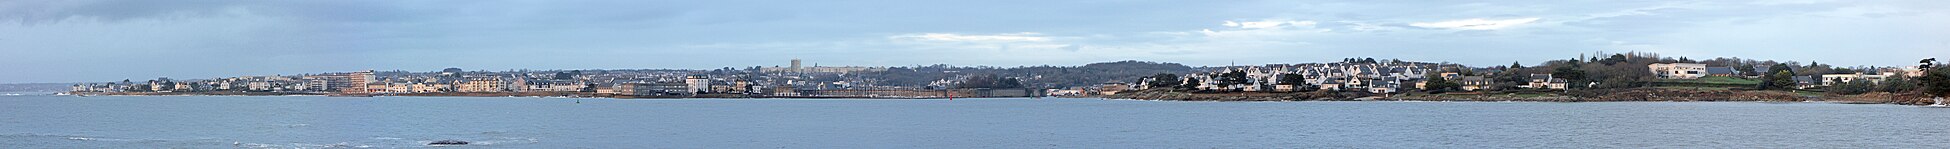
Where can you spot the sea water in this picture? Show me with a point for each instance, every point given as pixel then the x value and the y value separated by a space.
pixel 46 121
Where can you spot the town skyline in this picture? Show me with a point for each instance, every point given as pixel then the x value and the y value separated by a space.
pixel 1347 78
pixel 784 63
pixel 974 74
pixel 68 41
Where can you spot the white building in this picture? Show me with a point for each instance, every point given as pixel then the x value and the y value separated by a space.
pixel 1678 70
pixel 1831 79
pixel 697 84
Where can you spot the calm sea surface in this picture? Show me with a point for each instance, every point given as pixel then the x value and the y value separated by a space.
pixel 40 121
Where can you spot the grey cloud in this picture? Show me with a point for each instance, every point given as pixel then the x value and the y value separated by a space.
pixel 35 12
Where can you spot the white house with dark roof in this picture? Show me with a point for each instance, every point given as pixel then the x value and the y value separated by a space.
pixel 1545 81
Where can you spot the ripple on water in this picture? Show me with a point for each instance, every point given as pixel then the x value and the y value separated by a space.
pixel 301 145
pixel 482 142
pixel 99 141
pixel 33 136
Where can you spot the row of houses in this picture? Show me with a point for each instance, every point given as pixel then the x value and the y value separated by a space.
pixel 648 82
pixel 327 82
pixel 1696 71
pixel 1389 77
pixel 1379 77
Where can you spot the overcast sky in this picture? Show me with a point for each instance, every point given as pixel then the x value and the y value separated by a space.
pixel 108 40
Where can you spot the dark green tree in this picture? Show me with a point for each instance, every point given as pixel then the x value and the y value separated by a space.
pixel 1897 84
pixel 1010 82
pixel 1781 79
pixel 1936 81
pixel 1850 87
pixel 1510 79
pixel 1814 68
pixel 1614 59
pixel 1231 78
pixel 1164 80
pixel 1437 84
pixel 989 81
pixel 1571 73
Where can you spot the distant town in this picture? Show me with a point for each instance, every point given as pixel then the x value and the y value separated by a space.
pixel 792 81
pixel 1601 76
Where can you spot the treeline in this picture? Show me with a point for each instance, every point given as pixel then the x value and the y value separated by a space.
pixel 1861 86
pixel 1935 81
pixel 1613 71
pixel 1630 71
pixel 990 81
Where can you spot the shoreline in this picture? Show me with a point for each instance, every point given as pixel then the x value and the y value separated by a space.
pixel 1605 95
pixel 1492 100
pixel 1145 96
pixel 997 97
pixel 502 94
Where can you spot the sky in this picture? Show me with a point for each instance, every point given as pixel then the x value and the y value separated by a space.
pixel 111 40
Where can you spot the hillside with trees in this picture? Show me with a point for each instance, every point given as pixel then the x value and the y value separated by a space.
pixel 1605 77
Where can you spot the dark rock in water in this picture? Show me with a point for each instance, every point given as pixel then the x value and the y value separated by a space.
pixel 448 142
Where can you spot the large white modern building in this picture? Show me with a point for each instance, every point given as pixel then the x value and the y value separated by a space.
pixel 1678 70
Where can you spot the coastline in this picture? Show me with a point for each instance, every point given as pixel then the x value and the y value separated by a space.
pixel 1614 95
pixel 510 94
pixel 1609 95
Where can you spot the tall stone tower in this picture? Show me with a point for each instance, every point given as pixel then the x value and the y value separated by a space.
pixel 795 66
